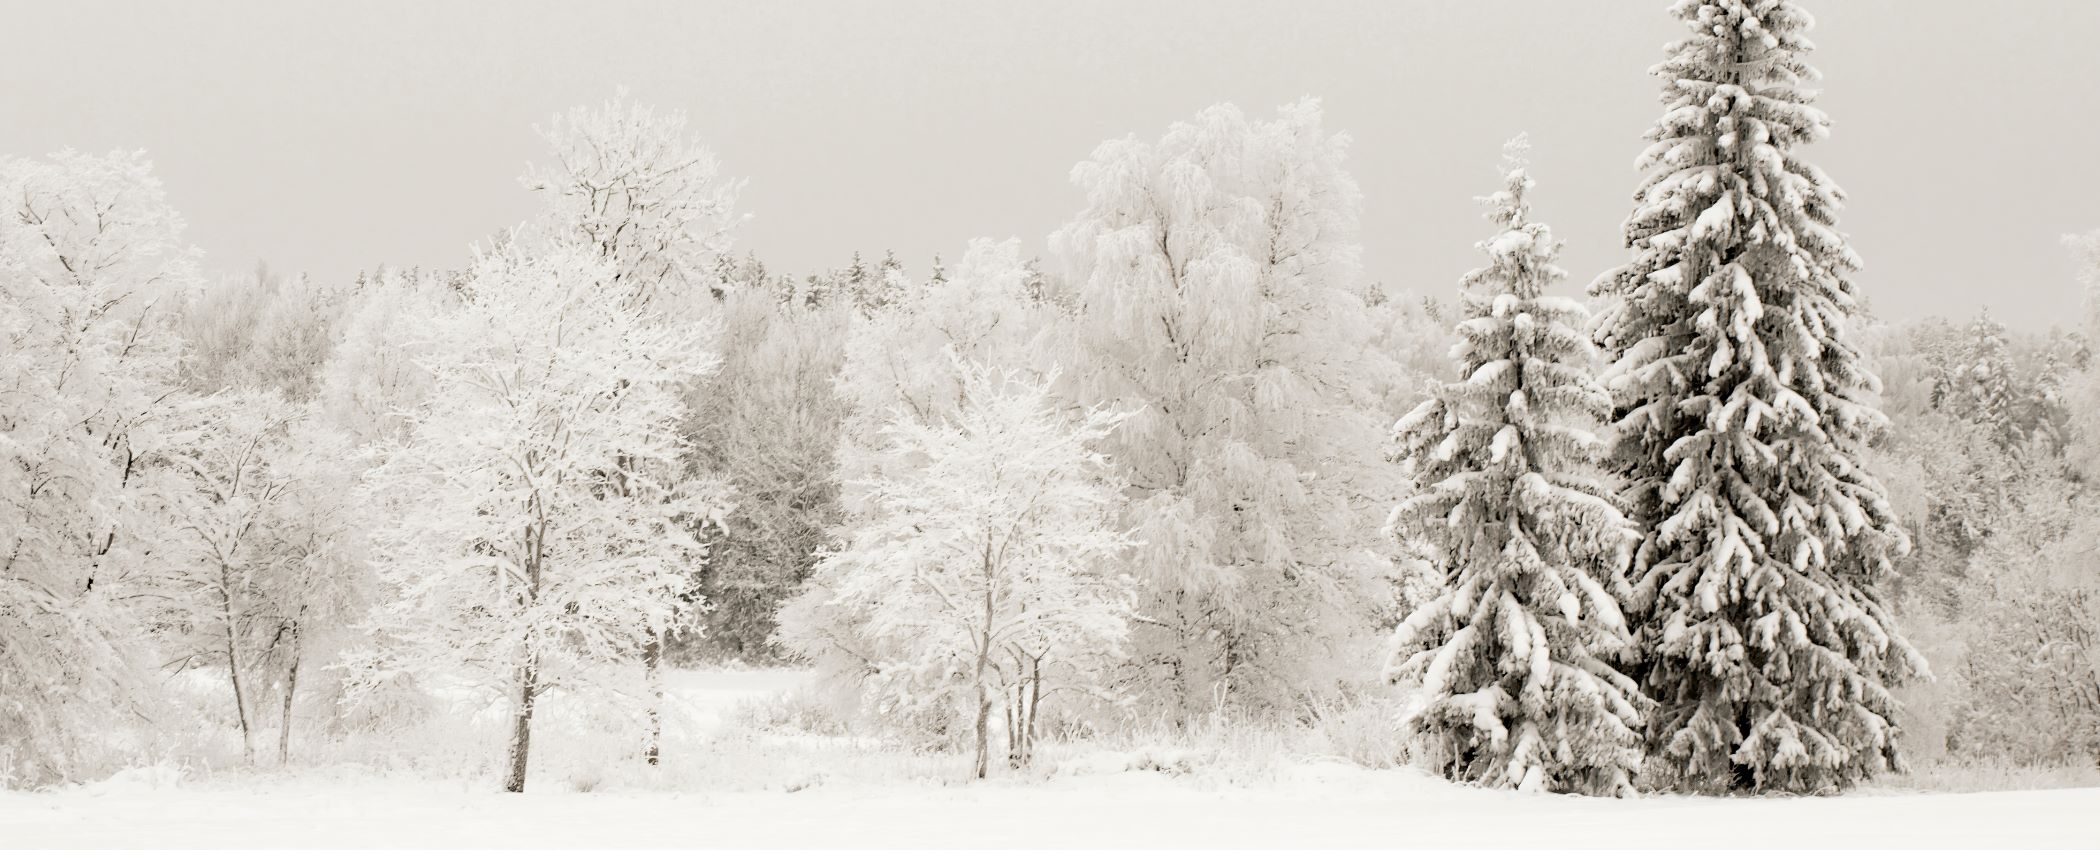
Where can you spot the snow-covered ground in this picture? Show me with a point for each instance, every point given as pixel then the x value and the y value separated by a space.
pixel 1094 805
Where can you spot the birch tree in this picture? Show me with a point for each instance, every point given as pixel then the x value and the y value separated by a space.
pixel 1216 276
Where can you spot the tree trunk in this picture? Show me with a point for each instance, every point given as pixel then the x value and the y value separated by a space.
pixel 984 724
pixel 1013 726
pixel 233 661
pixel 1035 703
pixel 291 688
pixel 652 665
pixel 984 652
pixel 521 730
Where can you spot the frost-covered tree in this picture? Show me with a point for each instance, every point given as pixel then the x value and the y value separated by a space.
pixel 1742 412
pixel 1514 657
pixel 630 185
pixel 373 377
pixel 225 522
pixel 259 331
pixel 1215 274
pixel 768 425
pixel 539 511
pixel 2085 252
pixel 1982 386
pixel 905 356
pixel 91 264
pixel 268 537
pixel 320 586
pixel 985 555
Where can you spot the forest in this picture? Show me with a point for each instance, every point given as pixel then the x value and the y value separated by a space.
pixel 1189 492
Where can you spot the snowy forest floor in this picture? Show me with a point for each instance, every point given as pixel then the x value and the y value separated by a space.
pixel 742 788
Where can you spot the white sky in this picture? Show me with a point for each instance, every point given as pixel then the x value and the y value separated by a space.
pixel 334 136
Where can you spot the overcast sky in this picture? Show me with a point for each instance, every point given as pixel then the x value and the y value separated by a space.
pixel 335 136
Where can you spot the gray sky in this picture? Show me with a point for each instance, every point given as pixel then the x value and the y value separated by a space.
pixel 335 136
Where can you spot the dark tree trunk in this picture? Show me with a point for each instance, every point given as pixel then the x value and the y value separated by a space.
pixel 521 729
pixel 233 661
pixel 291 689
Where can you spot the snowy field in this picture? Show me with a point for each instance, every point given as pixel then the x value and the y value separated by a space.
pixel 1092 801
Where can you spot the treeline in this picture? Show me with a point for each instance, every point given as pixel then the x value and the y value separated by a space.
pixel 1148 480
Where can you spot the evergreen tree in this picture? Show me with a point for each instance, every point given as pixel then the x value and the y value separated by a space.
pixel 1984 391
pixel 1742 414
pixel 1511 656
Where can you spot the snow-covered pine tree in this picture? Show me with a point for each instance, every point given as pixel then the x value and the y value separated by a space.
pixel 1742 411
pixel 1513 656
pixel 1983 384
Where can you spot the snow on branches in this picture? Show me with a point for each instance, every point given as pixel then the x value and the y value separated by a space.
pixel 1742 412
pixel 985 564
pixel 1216 276
pixel 541 521
pixel 1513 659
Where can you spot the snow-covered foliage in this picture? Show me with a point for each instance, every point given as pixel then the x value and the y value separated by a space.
pixel 906 356
pixel 906 353
pixel 1215 273
pixel 1514 657
pixel 91 265
pixel 767 423
pixel 981 567
pixel 1743 409
pixel 260 331
pixel 633 188
pixel 1127 509
pixel 268 535
pixel 540 522
pixel 374 377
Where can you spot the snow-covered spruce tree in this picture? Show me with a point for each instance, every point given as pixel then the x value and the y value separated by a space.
pixel 1513 656
pixel 1742 411
pixel 1981 388
pixel 1215 276
pixel 91 263
pixel 985 554
pixel 516 557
